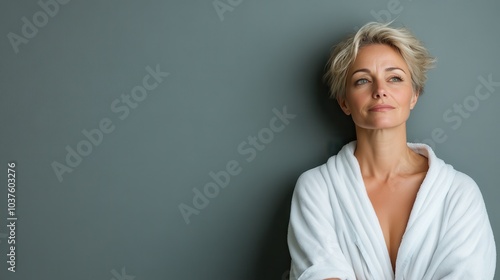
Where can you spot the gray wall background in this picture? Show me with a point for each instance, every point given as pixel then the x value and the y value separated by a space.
pixel 116 215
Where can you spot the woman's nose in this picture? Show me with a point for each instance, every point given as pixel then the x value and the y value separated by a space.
pixel 379 90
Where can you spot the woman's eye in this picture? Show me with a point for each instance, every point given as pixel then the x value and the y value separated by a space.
pixel 361 82
pixel 396 79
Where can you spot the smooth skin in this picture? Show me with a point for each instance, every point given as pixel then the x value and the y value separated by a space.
pixel 379 97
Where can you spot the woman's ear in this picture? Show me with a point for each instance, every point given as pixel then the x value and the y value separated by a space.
pixel 343 105
pixel 414 99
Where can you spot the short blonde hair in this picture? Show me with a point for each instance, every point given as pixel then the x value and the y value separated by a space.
pixel 344 54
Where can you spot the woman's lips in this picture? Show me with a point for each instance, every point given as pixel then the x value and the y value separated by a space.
pixel 381 108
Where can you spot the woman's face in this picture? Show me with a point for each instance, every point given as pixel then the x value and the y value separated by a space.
pixel 379 92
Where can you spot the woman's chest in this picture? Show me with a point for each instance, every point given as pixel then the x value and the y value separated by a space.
pixel 393 202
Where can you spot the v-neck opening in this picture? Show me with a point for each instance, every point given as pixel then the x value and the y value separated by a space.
pixel 421 151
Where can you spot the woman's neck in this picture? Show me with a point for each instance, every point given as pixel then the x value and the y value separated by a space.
pixel 383 154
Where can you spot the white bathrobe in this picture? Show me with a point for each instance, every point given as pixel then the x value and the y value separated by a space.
pixel 334 231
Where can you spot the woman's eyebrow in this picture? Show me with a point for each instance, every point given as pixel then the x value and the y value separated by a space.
pixel 360 70
pixel 388 69
pixel 394 68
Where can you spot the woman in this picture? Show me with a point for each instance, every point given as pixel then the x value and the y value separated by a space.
pixel 383 208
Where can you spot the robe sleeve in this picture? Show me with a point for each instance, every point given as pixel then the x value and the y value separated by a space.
pixel 312 240
pixel 467 246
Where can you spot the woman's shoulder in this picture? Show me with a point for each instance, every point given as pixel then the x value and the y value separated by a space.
pixel 464 187
pixel 462 193
pixel 320 176
pixel 313 181
pixel 313 176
